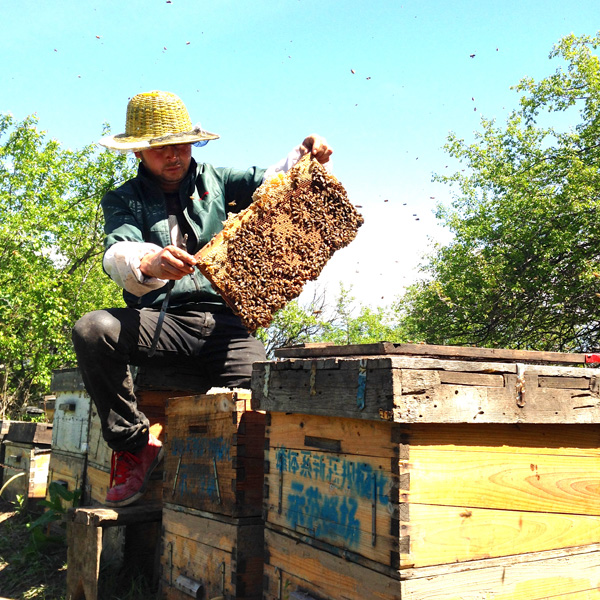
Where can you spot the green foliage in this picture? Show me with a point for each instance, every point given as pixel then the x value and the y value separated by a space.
pixel 522 269
pixel 345 323
pixel 51 235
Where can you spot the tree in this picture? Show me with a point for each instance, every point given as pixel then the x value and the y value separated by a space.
pixel 50 250
pixel 522 268
pixel 345 323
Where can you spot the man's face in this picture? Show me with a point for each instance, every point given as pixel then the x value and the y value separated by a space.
pixel 169 164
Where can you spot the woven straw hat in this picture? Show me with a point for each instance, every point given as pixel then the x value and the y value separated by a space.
pixel 156 119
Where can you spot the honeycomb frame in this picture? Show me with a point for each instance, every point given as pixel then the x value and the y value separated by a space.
pixel 266 253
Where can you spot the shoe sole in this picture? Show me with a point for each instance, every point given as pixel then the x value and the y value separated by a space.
pixel 135 497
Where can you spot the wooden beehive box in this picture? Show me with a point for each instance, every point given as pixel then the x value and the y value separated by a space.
pixel 436 472
pixel 31 464
pixel 205 555
pixel 71 412
pixel 68 469
pixel 214 454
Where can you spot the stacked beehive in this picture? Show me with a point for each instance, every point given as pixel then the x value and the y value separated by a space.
pixel 71 425
pixel 212 526
pixel 448 474
pixel 24 459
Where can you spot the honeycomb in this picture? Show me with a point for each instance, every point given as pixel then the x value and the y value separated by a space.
pixel 266 253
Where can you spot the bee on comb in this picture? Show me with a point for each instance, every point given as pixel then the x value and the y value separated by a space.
pixel 265 254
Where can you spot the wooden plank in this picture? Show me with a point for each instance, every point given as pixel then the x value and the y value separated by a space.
pixel 449 534
pixel 486 438
pixel 291 566
pixel 472 353
pixel 348 389
pixel 224 555
pixel 214 454
pixel 504 480
pixel 83 560
pixel 66 380
pixel 482 379
pixel 570 575
pixel 343 500
pixel 341 435
pixel 427 401
pixel 109 517
pixel 413 390
pixel 26 432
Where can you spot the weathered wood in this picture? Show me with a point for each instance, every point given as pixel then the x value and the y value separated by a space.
pixel 413 390
pixel 26 432
pixel 223 554
pixel 574 575
pixel 291 566
pixel 472 353
pixel 109 517
pixel 214 454
pixel 84 538
pixel 68 470
pixel 83 561
pixel 31 464
pixel 66 380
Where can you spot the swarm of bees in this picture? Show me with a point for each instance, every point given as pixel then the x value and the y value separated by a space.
pixel 266 253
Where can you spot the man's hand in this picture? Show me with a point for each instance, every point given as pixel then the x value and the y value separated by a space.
pixel 318 147
pixel 169 263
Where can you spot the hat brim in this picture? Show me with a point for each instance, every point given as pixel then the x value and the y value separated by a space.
pixel 128 143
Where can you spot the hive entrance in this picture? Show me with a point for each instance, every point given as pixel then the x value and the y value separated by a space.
pixel 266 253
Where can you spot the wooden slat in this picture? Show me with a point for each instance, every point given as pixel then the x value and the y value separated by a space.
pixel 566 575
pixel 225 555
pixel 295 566
pixel 108 517
pixel 83 559
pixel 343 500
pixel 517 438
pixel 504 480
pixel 308 351
pixel 351 436
pixel 448 534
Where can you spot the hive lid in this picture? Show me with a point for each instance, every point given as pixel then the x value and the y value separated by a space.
pixel 427 350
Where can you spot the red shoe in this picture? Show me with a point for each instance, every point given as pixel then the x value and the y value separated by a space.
pixel 130 473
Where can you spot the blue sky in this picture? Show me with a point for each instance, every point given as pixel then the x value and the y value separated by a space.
pixel 383 81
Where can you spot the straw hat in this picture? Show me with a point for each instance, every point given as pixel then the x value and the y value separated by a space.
pixel 156 119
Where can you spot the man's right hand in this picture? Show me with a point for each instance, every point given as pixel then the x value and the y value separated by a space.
pixel 169 263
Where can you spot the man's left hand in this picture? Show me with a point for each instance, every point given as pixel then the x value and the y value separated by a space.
pixel 318 147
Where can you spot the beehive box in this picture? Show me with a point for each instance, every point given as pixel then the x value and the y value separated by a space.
pixel 31 464
pixel 205 555
pixel 71 412
pixel 436 472
pixel 214 454
pixel 67 469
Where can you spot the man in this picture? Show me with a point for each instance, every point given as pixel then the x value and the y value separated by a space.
pixel 154 225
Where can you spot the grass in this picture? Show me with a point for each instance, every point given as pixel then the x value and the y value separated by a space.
pixel 30 573
pixel 26 573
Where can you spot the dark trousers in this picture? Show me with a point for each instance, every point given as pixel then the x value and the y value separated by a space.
pixel 215 344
